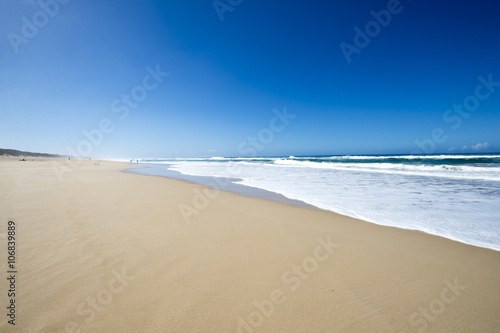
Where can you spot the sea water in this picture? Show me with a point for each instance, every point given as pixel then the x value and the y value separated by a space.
pixel 454 196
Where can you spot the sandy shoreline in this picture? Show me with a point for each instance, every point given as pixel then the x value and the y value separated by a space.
pixel 226 184
pixel 100 250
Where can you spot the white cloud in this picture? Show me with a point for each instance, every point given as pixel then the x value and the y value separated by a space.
pixel 476 147
pixel 452 149
pixel 480 146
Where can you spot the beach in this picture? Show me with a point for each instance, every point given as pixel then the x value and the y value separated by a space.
pixel 102 250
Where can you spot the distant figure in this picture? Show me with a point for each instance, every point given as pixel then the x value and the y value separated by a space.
pixel 137 161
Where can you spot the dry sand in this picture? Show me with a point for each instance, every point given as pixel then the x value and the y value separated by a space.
pixel 107 251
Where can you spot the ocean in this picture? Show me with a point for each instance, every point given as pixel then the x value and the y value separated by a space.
pixel 453 196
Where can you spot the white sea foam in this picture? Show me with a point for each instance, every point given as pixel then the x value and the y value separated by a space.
pixel 457 201
pixel 447 171
pixel 409 157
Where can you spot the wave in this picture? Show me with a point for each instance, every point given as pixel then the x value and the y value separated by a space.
pixel 429 167
pixel 473 166
pixel 412 157
pixel 495 158
pixel 454 196
pixel 409 159
pixel 448 171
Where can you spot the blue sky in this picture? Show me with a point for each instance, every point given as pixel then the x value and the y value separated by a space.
pixel 225 77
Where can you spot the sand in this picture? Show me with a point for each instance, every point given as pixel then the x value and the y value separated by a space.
pixel 100 250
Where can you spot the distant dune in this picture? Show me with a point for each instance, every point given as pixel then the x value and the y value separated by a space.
pixel 13 152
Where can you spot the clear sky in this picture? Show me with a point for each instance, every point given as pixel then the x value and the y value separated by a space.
pixel 361 77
